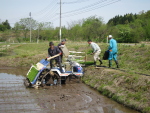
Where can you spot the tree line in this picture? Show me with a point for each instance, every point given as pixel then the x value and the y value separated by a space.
pixel 128 28
pixel 5 26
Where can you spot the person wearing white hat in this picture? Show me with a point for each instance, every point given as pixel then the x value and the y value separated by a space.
pixel 112 51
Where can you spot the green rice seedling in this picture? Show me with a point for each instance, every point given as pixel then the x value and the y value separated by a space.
pixel 32 73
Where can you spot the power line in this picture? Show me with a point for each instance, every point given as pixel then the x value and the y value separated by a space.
pixel 92 8
pixel 85 11
pixel 78 1
pixel 88 6
pixel 80 9
pixel 51 13
pixel 38 13
pixel 46 8
pixel 88 10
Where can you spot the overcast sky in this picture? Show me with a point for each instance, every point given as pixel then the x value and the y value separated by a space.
pixel 72 10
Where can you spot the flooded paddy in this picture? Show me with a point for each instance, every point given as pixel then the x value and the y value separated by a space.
pixel 66 98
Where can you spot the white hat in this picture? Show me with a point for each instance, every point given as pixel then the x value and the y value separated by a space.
pixel 110 36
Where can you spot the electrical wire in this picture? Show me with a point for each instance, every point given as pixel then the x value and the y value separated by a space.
pixel 46 8
pixel 50 12
pixel 87 10
pixel 86 7
pixel 78 1
pixel 40 13
pixel 80 9
pixel 91 9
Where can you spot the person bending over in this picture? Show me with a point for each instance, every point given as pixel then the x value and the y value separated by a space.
pixel 96 51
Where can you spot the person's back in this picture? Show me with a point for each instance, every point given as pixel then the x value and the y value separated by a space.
pixel 112 50
pixel 95 46
pixel 113 45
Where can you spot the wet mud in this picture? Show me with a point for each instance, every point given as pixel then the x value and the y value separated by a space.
pixel 66 98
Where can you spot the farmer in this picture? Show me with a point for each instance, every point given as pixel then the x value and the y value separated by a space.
pixel 96 51
pixel 112 51
pixel 53 50
pixel 61 45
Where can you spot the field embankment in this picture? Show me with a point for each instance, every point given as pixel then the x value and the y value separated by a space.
pixel 129 89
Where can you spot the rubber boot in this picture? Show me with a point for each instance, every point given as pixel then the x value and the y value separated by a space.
pixel 117 63
pixel 110 63
pixel 100 62
pixel 94 63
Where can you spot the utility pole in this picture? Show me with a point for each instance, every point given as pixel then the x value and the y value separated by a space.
pixel 107 39
pixel 30 26
pixel 60 22
pixel 38 35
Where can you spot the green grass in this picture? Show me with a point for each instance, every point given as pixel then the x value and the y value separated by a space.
pixel 129 89
pixel 133 58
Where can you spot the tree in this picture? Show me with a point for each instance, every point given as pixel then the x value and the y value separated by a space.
pixel 91 27
pixel 24 25
pixel 2 27
pixel 124 33
pixel 6 24
pixel 45 30
pixel 76 32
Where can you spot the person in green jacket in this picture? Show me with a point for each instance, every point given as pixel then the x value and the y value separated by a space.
pixel 113 50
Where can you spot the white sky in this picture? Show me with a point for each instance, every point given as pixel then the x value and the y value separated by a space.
pixel 72 10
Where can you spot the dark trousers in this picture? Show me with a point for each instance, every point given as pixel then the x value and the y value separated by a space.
pixel 57 61
pixel 61 57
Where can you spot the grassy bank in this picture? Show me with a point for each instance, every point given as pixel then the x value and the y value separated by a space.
pixel 128 88
pixel 23 55
pixel 132 58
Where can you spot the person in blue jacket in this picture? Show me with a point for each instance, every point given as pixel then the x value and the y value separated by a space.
pixel 112 51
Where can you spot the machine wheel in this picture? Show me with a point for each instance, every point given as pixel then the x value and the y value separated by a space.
pixel 56 77
pixel 42 74
pixel 43 82
pixel 27 83
pixel 45 79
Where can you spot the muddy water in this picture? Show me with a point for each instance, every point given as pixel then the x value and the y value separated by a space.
pixel 69 98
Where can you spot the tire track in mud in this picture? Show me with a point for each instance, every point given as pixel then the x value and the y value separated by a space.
pixel 68 98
